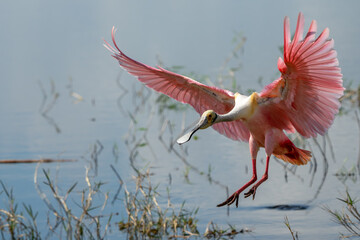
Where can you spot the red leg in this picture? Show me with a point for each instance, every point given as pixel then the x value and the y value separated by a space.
pixel 254 148
pixel 235 195
pixel 271 140
pixel 252 191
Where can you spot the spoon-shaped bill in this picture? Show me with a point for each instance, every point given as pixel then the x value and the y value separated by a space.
pixel 186 137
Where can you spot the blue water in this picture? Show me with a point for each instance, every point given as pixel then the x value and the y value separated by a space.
pixel 44 43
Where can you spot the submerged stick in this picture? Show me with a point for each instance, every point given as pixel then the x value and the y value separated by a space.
pixel 44 160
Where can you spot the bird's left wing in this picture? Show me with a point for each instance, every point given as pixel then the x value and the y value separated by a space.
pixel 185 90
pixel 306 95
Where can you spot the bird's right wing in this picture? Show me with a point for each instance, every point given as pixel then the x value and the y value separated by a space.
pixel 185 90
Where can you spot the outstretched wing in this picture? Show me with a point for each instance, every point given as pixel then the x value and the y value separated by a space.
pixel 185 90
pixel 307 93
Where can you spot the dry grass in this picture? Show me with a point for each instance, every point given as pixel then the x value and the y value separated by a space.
pixel 349 217
pixel 145 217
pixel 293 233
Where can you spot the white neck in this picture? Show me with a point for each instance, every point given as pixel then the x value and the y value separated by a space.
pixel 244 108
pixel 227 117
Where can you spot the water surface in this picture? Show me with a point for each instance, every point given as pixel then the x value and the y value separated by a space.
pixel 52 50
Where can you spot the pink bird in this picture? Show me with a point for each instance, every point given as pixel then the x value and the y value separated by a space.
pixel 304 99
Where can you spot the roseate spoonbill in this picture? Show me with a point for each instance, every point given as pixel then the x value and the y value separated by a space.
pixel 303 99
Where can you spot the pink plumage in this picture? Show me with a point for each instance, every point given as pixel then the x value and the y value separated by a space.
pixel 303 99
pixel 185 90
pixel 313 81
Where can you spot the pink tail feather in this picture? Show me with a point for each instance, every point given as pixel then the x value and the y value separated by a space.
pixel 297 156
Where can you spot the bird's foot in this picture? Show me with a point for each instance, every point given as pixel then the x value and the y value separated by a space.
pixel 252 192
pixel 231 200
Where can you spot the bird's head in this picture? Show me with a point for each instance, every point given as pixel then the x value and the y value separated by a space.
pixel 207 119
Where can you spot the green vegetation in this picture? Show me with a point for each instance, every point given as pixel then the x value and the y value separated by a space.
pixel 146 218
pixel 349 217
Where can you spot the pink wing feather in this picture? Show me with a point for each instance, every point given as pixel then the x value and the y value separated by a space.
pixel 310 83
pixel 185 90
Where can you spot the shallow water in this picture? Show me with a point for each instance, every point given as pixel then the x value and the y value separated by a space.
pixel 61 44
